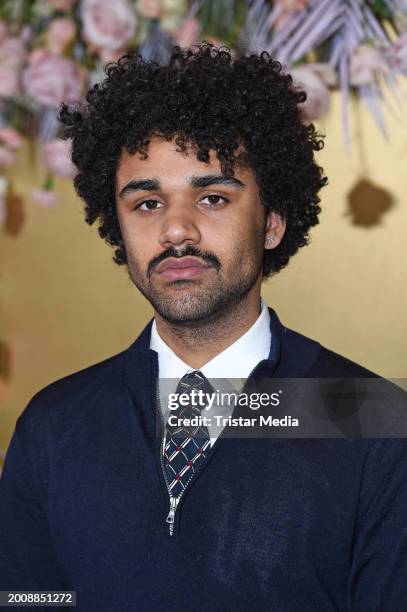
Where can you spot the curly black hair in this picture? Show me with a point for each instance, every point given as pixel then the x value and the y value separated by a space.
pixel 208 97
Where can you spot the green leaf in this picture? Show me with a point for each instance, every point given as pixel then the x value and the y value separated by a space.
pixel 48 183
pixel 380 8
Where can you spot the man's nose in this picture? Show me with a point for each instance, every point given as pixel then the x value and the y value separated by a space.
pixel 179 226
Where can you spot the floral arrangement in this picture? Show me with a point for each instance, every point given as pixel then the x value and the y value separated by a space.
pixel 53 50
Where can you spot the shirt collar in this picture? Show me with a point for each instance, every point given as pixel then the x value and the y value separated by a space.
pixel 236 361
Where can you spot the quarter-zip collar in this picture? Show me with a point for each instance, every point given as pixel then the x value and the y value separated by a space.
pixel 141 376
pixel 289 357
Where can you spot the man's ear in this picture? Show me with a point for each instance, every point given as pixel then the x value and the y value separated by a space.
pixel 275 228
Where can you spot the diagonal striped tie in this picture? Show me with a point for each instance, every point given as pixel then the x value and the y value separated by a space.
pixel 185 447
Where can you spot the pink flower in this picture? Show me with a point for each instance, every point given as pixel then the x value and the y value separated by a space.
pixel 12 53
pixel 107 24
pixel 56 156
pixel 37 55
pixel 315 79
pixel 7 157
pixel 45 198
pixel 365 63
pixel 53 79
pixel 10 137
pixel 188 32
pixel 61 5
pixel 61 32
pixel 396 55
pixel 9 83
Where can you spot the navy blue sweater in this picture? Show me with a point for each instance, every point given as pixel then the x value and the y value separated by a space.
pixel 266 524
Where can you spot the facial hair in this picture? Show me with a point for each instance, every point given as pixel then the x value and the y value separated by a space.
pixel 187 302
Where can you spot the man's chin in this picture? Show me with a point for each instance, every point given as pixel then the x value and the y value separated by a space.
pixel 185 311
pixel 192 301
pixel 177 300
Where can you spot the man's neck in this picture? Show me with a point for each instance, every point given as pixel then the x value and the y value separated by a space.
pixel 199 342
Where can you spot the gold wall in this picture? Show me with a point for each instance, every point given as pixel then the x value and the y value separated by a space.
pixel 65 305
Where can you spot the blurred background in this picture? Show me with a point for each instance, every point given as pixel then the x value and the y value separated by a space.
pixel 65 305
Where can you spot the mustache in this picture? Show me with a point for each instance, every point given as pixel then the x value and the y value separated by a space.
pixel 188 251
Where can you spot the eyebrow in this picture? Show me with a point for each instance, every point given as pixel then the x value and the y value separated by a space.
pixel 195 181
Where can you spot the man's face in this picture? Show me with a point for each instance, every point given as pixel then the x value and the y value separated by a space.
pixel 194 238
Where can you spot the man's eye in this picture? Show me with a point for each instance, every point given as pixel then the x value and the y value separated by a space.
pixel 148 205
pixel 214 200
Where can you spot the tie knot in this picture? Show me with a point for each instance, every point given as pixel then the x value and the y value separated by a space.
pixel 193 387
pixel 194 380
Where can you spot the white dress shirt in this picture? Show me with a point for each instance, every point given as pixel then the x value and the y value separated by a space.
pixel 223 371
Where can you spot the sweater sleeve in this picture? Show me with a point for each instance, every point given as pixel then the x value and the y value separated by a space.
pixel 27 559
pixel 379 569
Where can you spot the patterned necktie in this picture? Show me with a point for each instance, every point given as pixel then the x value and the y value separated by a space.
pixel 185 446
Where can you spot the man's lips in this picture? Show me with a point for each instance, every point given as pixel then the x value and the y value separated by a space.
pixel 186 267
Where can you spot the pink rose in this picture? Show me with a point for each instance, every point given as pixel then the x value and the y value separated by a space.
pixel 56 156
pixel 61 5
pixel 7 157
pixel 315 79
pixel 366 62
pixel 53 79
pixel 396 54
pixel 61 32
pixel 107 24
pixel 37 55
pixel 9 82
pixel 10 137
pixel 45 198
pixel 12 53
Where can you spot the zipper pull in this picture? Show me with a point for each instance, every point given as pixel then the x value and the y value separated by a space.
pixel 171 515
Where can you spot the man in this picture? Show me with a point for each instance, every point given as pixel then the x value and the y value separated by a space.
pixel 202 176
